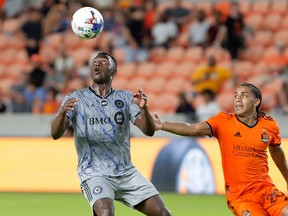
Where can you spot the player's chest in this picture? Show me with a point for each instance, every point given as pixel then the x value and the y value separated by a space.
pixel 103 112
pixel 242 136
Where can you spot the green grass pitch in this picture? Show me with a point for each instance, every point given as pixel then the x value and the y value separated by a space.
pixel 65 204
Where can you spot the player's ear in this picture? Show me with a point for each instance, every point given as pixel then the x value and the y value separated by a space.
pixel 257 102
pixel 114 72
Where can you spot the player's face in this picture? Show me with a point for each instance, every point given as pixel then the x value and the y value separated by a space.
pixel 245 102
pixel 100 71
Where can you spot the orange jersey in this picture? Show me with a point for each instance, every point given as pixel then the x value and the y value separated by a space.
pixel 244 150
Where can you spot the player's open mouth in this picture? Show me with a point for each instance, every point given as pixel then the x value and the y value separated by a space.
pixel 96 70
pixel 238 106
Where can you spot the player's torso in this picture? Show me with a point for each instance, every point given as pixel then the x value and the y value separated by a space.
pixel 101 119
pixel 244 150
pixel 239 139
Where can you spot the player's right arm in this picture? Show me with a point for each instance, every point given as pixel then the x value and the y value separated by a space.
pixel 182 128
pixel 61 123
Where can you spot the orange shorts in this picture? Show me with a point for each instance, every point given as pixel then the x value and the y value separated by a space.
pixel 263 201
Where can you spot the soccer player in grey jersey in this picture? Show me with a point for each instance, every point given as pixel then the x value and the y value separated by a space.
pixel 100 117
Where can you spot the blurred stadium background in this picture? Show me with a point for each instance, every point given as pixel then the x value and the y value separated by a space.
pixel 41 60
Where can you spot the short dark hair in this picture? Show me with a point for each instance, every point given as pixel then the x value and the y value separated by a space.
pixel 109 56
pixel 257 93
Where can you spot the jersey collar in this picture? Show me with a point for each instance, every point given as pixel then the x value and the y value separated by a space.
pixel 110 92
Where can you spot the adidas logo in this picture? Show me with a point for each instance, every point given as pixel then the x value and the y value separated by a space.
pixel 237 134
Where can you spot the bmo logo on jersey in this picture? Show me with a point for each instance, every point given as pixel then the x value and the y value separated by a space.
pixel 93 121
pixel 119 118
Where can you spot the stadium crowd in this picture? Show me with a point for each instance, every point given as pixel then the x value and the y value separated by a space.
pixel 173 49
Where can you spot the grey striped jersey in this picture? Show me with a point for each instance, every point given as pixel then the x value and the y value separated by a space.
pixel 102 132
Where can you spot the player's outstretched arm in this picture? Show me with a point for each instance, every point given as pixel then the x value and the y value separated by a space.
pixel 182 128
pixel 279 159
pixel 145 120
pixel 60 123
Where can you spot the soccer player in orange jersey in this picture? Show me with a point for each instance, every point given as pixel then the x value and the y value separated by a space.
pixel 244 137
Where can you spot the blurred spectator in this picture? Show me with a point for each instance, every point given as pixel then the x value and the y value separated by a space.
pixel 223 8
pixel 37 106
pixel 84 70
pixel 178 13
pixel 19 103
pixel 32 29
pixel 56 20
pixel 52 104
pixel 63 64
pixel 185 107
pixel 216 35
pixel 109 18
pixel 118 31
pixel 235 31
pixel 32 94
pixel 209 107
pixel 137 50
pixel 164 32
pixel 198 30
pixel 210 76
pixel 13 8
pixel 37 74
pixel 150 17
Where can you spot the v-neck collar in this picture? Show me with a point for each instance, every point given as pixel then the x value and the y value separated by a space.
pixel 250 126
pixel 110 92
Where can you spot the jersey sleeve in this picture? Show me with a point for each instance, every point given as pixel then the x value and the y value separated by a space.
pixel 214 123
pixel 276 138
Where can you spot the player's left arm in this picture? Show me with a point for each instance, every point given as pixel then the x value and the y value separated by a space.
pixel 145 120
pixel 279 159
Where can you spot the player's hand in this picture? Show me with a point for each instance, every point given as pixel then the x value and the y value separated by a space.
pixel 157 121
pixel 69 105
pixel 140 98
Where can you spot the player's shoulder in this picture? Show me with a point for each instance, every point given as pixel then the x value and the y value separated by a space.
pixel 268 118
pixel 227 114
pixel 77 92
pixel 123 92
pixel 269 122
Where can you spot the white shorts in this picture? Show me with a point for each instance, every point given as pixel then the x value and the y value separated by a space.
pixel 130 190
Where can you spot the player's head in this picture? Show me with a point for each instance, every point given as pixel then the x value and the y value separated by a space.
pixel 103 68
pixel 248 99
pixel 112 61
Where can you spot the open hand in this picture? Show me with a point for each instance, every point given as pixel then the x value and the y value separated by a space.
pixel 140 98
pixel 69 105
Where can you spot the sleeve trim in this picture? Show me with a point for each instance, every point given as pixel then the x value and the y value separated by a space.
pixel 211 131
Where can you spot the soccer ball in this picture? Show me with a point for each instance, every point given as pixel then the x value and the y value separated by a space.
pixel 87 22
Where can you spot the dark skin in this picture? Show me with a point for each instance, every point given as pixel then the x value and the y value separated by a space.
pixel 102 74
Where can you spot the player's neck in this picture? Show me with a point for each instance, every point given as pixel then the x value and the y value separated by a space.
pixel 248 120
pixel 102 90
